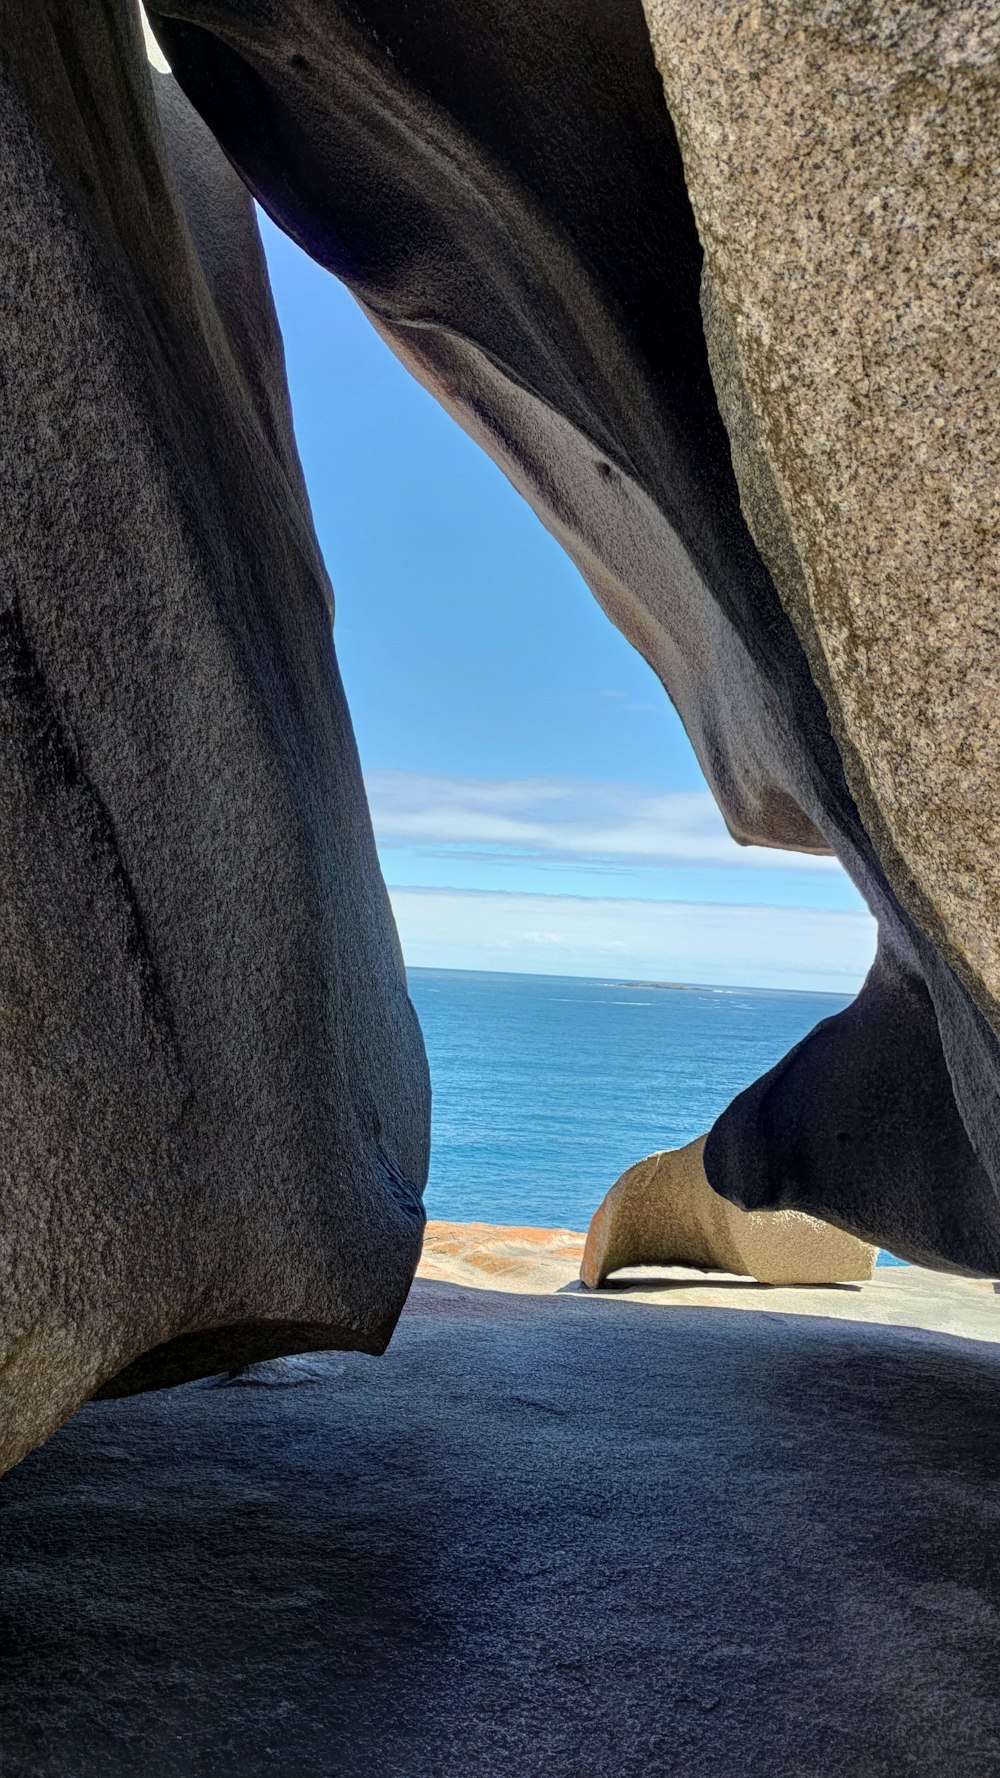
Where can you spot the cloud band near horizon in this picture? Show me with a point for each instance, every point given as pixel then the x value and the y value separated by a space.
pixel 580 822
pixel 804 949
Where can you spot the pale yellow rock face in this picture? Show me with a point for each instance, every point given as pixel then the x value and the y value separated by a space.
pixel 663 1211
pixel 843 161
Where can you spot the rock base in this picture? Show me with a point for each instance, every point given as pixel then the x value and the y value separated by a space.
pixel 557 1535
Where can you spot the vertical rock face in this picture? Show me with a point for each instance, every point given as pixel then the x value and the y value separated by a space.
pixel 213 1123
pixel 843 163
pixel 503 189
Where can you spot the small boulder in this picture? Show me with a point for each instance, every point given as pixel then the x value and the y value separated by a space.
pixel 663 1212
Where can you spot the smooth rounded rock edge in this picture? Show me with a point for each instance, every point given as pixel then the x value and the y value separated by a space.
pixel 662 1211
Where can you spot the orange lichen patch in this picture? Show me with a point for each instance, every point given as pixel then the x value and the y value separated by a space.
pixel 495 1249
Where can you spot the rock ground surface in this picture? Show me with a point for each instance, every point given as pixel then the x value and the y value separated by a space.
pixel 550 1532
pixel 543 1261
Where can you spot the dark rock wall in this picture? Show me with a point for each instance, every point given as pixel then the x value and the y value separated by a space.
pixel 215 1103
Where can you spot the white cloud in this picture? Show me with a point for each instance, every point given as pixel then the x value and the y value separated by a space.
pixel 745 946
pixel 578 822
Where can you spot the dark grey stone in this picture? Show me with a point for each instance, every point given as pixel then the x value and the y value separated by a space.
pixel 214 1119
pixel 543 1536
pixel 858 1124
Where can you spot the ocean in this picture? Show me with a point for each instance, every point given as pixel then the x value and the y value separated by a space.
pixel 547 1087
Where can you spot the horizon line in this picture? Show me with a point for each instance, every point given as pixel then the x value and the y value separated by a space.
pixel 862 913
pixel 630 981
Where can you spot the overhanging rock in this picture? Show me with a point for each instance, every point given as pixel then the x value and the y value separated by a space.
pixel 512 206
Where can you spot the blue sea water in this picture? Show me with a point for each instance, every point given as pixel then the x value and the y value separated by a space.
pixel 547 1087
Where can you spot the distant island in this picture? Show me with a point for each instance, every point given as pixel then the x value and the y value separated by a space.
pixel 665 987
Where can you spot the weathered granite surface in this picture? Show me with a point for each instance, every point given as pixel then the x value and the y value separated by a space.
pixel 553 1535
pixel 539 1261
pixel 215 1104
pixel 843 163
pixel 662 1211
pixel 858 1123
pixel 506 196
pixel 213 1123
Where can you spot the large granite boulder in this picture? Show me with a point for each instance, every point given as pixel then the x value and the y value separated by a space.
pixel 843 163
pixel 510 203
pixel 213 1126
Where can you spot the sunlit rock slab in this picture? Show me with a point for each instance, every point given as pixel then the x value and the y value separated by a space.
pixel 539 1261
pixel 497 1255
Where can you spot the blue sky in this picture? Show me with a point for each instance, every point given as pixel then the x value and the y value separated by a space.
pixel 536 801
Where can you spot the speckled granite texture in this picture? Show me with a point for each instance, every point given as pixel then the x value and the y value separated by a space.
pixel 730 326
pixel 214 1091
pixel 843 163
pixel 551 1536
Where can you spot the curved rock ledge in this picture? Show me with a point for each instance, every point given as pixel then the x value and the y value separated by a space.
pixel 663 1211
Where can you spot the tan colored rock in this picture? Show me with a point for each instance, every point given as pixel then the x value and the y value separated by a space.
pixel 843 162
pixel 492 1261
pixel 663 1211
